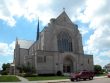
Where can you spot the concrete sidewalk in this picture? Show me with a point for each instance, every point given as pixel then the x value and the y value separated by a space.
pixel 96 77
pixel 22 79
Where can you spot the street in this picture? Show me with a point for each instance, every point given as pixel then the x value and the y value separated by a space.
pixel 100 80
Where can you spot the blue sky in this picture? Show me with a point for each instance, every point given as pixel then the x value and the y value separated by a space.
pixel 18 18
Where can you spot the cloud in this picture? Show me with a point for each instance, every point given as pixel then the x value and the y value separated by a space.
pixel 98 60
pixel 100 38
pixel 6 52
pixel 7 49
pixel 105 53
pixel 98 18
pixel 32 9
pixel 83 30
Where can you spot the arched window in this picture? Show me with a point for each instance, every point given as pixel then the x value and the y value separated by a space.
pixel 64 42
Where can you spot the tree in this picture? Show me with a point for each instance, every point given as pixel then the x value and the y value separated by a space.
pixel 5 68
pixel 97 69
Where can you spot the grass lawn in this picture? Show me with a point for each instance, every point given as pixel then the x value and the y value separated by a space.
pixel 8 78
pixel 46 78
pixel 101 74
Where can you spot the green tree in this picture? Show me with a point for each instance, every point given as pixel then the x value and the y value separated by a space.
pixel 5 69
pixel 5 66
pixel 97 69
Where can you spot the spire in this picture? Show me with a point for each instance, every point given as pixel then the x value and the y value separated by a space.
pixel 37 30
pixel 16 40
pixel 16 44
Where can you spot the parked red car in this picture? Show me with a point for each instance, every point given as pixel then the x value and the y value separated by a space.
pixel 108 74
pixel 82 75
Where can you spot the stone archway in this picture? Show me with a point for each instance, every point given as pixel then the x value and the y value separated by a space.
pixel 67 65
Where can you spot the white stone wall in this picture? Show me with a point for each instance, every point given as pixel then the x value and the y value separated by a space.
pixel 49 37
pixel 46 66
pixel 16 55
pixel 88 62
pixel 23 53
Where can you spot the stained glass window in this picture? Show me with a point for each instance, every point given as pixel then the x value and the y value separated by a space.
pixel 64 42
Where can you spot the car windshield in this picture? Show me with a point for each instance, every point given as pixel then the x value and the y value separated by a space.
pixel 80 72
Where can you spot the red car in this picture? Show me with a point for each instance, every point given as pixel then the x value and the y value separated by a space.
pixel 82 75
pixel 108 74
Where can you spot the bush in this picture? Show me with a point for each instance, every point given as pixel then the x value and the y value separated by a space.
pixel 59 73
pixel 98 69
pixel 26 69
pixel 4 73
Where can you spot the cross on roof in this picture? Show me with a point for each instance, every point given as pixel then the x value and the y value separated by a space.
pixel 63 9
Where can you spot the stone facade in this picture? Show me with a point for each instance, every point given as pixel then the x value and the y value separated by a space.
pixel 58 49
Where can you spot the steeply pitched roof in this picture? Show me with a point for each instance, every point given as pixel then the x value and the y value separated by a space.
pixel 25 43
pixel 64 18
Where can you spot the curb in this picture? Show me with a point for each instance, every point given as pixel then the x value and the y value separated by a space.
pixel 54 81
pixel 100 77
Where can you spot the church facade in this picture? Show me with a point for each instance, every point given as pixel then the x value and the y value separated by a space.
pixel 58 48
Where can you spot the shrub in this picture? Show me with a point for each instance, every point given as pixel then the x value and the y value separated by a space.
pixel 4 73
pixel 98 69
pixel 59 73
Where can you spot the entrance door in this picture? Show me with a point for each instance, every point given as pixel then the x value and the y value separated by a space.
pixel 67 66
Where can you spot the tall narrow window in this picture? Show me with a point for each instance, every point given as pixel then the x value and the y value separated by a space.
pixel 88 61
pixel 64 42
pixel 44 58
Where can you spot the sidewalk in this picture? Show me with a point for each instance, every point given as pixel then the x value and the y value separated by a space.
pixel 53 81
pixel 22 79
pixel 96 77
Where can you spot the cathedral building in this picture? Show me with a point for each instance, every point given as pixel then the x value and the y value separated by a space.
pixel 58 48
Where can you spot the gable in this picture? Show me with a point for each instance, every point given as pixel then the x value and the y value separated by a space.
pixel 25 43
pixel 63 19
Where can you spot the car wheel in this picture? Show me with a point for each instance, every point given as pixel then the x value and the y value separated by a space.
pixel 77 79
pixel 90 78
pixel 72 79
pixel 84 79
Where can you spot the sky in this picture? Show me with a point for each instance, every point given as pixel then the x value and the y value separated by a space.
pixel 18 19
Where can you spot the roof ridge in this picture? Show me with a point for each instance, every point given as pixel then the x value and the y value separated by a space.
pixel 25 40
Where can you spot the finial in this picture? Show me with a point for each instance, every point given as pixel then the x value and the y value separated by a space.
pixel 63 9
pixel 16 38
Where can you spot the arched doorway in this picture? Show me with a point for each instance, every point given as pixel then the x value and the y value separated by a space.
pixel 67 65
